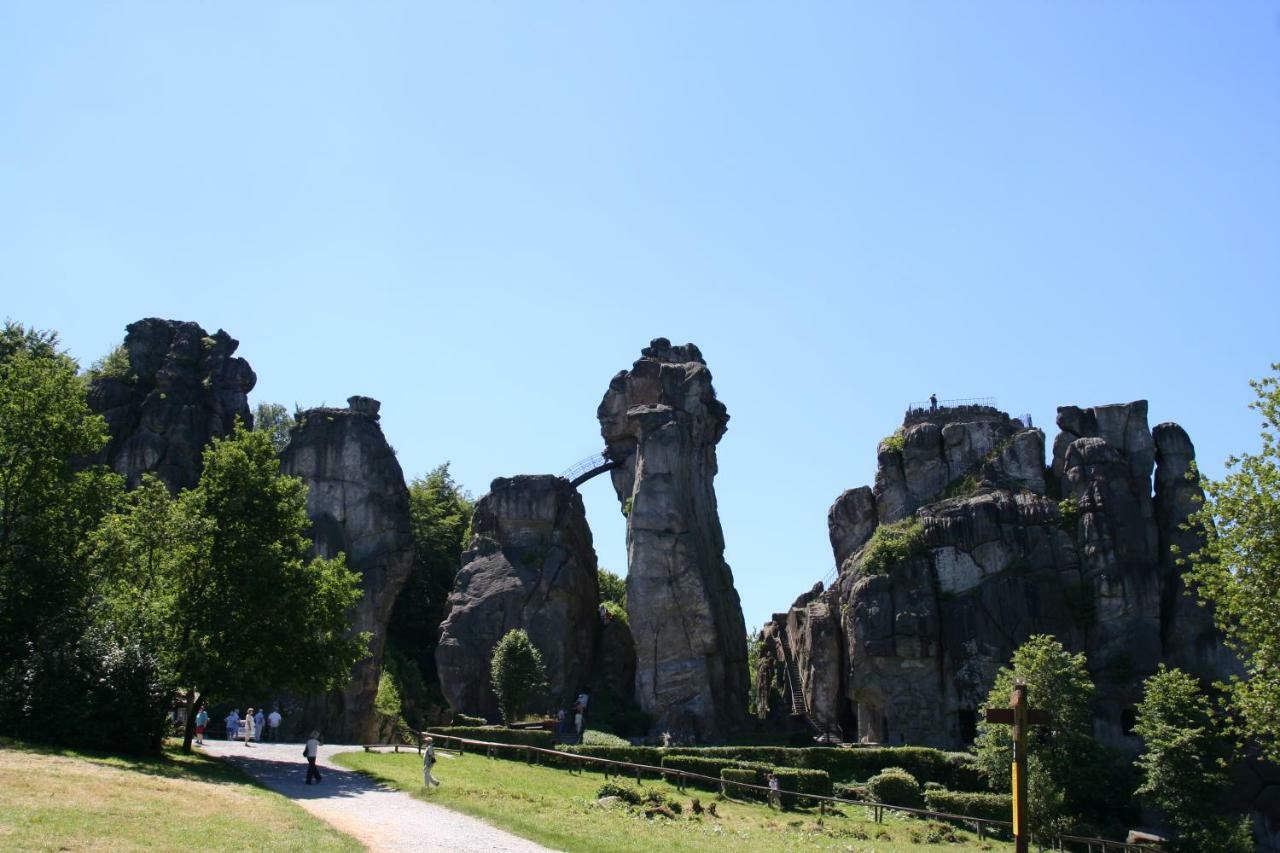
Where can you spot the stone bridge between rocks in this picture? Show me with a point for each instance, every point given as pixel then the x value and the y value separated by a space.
pixel 584 470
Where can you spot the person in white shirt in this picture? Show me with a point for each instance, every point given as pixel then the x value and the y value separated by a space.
pixel 273 724
pixel 310 751
pixel 258 721
pixel 233 723
pixel 428 761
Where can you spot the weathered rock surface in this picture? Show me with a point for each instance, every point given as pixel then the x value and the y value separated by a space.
pixel 531 564
pixel 359 506
pixel 184 387
pixel 661 422
pixel 996 561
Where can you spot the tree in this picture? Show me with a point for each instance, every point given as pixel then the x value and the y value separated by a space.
pixel 517 673
pixel 387 705
pixel 49 654
pixel 1237 571
pixel 1184 764
pixel 1063 757
pixel 252 612
pixel 439 518
pixel 613 588
pixel 275 420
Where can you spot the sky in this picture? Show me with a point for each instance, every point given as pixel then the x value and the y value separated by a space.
pixel 478 213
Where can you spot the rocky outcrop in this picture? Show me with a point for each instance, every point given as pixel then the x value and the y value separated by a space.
pixel 359 506
pixel 182 388
pixel 991 558
pixel 531 564
pixel 661 422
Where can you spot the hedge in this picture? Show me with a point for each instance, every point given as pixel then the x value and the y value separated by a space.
pixel 706 767
pixel 497 734
pixel 856 791
pixel 954 770
pixel 895 787
pixel 987 806
pixel 749 775
pixel 650 755
pixel 802 781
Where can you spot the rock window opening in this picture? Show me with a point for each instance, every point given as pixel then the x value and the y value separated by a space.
pixel 1127 720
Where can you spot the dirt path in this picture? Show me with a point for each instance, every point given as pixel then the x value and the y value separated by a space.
pixel 382 818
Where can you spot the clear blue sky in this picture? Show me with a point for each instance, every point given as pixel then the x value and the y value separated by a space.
pixel 478 213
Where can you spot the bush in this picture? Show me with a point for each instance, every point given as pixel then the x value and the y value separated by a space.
pixel 498 734
pixel 955 771
pixel 895 787
pixel 802 781
pixel 516 673
pixel 985 806
pixel 892 544
pixel 465 720
pixel 627 793
pixel 647 755
pixel 857 792
pixel 747 775
pixel 593 737
pixel 703 766
pixel 895 442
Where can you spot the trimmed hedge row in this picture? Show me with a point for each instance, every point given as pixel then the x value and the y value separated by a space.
pixel 802 781
pixel 497 734
pixel 987 806
pixel 741 774
pixel 650 755
pixel 954 770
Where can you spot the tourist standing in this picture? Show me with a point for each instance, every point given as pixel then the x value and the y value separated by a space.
pixel 246 726
pixel 258 725
pixel 775 796
pixel 202 720
pixel 429 761
pixel 311 751
pixel 273 725
pixel 233 723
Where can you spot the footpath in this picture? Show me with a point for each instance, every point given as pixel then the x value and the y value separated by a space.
pixel 381 818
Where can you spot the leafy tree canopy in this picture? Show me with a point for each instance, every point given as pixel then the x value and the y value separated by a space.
pixel 516 673
pixel 1238 571
pixel 613 588
pixel 1184 764
pixel 275 420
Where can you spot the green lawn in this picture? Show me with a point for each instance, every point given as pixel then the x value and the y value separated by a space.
pixel 558 809
pixel 68 800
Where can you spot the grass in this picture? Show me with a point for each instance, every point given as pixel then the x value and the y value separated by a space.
pixel 54 799
pixel 559 810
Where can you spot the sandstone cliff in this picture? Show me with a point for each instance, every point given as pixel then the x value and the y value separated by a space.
pixel 661 422
pixel 531 564
pixel 993 548
pixel 183 387
pixel 358 505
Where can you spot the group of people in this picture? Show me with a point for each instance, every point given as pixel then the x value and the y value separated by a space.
pixel 578 712
pixel 254 726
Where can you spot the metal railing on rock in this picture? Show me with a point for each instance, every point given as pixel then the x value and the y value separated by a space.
pixel 926 405
pixel 611 766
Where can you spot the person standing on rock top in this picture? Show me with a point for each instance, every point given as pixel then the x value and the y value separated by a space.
pixel 933 402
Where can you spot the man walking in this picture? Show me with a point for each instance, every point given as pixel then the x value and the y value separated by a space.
pixel 310 752
pixel 428 761
pixel 273 725
pixel 202 720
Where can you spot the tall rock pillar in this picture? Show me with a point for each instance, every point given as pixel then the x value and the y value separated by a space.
pixel 661 422
pixel 358 505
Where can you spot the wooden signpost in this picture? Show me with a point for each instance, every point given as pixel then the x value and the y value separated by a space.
pixel 1020 716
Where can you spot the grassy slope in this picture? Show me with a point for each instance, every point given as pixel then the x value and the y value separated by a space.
pixel 67 800
pixel 557 809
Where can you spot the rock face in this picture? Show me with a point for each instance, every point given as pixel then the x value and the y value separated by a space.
pixel 183 388
pixel 531 564
pixel 1000 551
pixel 358 505
pixel 661 422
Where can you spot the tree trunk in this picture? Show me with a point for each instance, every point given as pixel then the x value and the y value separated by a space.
pixel 193 707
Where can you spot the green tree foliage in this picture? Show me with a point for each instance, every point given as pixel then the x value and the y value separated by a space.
pixel 386 705
pixel 254 612
pixel 754 644
pixel 516 673
pixel 51 655
pixel 612 588
pixel 1063 759
pixel 440 517
pixel 1184 764
pixel 892 544
pixel 113 365
pixel 1238 571
pixel 275 420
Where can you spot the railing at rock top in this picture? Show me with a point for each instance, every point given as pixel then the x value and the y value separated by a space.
pixel 682 777
pixel 926 405
pixel 580 472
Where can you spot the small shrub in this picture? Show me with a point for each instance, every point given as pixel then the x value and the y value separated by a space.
pixel 986 806
pixel 467 720
pixel 626 507
pixel 113 365
pixel 894 442
pixel 895 787
pixel 1068 514
pixel 592 737
pixel 617 612
pixel 853 792
pixel 497 734
pixel 892 544
pixel 627 793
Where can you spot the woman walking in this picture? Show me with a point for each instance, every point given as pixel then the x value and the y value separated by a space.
pixel 428 761
pixel 246 727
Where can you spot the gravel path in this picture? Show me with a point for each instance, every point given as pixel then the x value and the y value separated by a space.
pixel 379 817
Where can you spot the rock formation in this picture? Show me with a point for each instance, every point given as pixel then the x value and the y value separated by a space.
pixel 661 422
pixel 531 564
pixel 358 505
pixel 183 387
pixel 997 549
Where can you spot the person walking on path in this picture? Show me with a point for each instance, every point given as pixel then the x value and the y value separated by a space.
pixel 429 761
pixel 233 723
pixel 258 720
pixel 775 797
pixel 202 720
pixel 246 726
pixel 273 726
pixel 310 751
